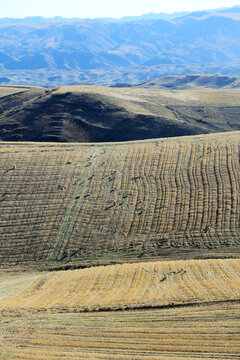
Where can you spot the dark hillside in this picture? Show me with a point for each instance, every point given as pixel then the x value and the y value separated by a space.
pixel 100 114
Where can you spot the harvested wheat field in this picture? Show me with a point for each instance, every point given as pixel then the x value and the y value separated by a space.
pixel 125 286
pixel 79 204
pixel 191 332
pixel 121 251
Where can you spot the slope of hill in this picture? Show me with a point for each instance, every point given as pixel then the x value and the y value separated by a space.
pixel 77 205
pixel 126 286
pixel 163 214
pixel 191 82
pixel 196 332
pixel 105 52
pixel 101 114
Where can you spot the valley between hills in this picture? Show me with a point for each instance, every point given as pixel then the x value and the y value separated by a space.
pixel 119 223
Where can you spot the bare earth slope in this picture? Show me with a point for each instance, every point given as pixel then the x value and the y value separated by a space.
pixel 101 114
pixel 75 205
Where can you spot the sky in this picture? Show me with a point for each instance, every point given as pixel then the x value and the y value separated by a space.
pixel 103 8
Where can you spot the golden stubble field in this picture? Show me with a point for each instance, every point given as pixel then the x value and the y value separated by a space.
pixel 123 286
pixel 195 332
pixel 155 310
pixel 162 216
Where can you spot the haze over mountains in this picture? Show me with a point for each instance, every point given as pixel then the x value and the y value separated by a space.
pixel 51 52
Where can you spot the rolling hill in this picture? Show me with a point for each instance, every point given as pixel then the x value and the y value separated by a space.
pixel 120 250
pixel 74 205
pixel 102 114
pixel 89 230
pixel 159 284
pixel 190 82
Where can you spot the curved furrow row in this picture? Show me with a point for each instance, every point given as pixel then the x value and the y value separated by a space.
pixel 77 285
pixel 151 188
pixel 137 194
pixel 145 194
pixel 165 190
pixel 219 200
pixel 172 187
pixel 213 195
pixel 200 181
pixel 170 194
pixel 192 198
pixel 234 188
pixel 130 191
pixel 236 170
pixel 159 187
pixel 182 201
pixel 227 196
pixel 48 294
pixel 146 291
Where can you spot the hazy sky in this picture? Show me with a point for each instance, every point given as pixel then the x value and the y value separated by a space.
pixel 103 8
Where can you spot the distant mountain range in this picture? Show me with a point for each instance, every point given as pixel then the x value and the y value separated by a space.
pixel 149 16
pixel 60 19
pixel 57 51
